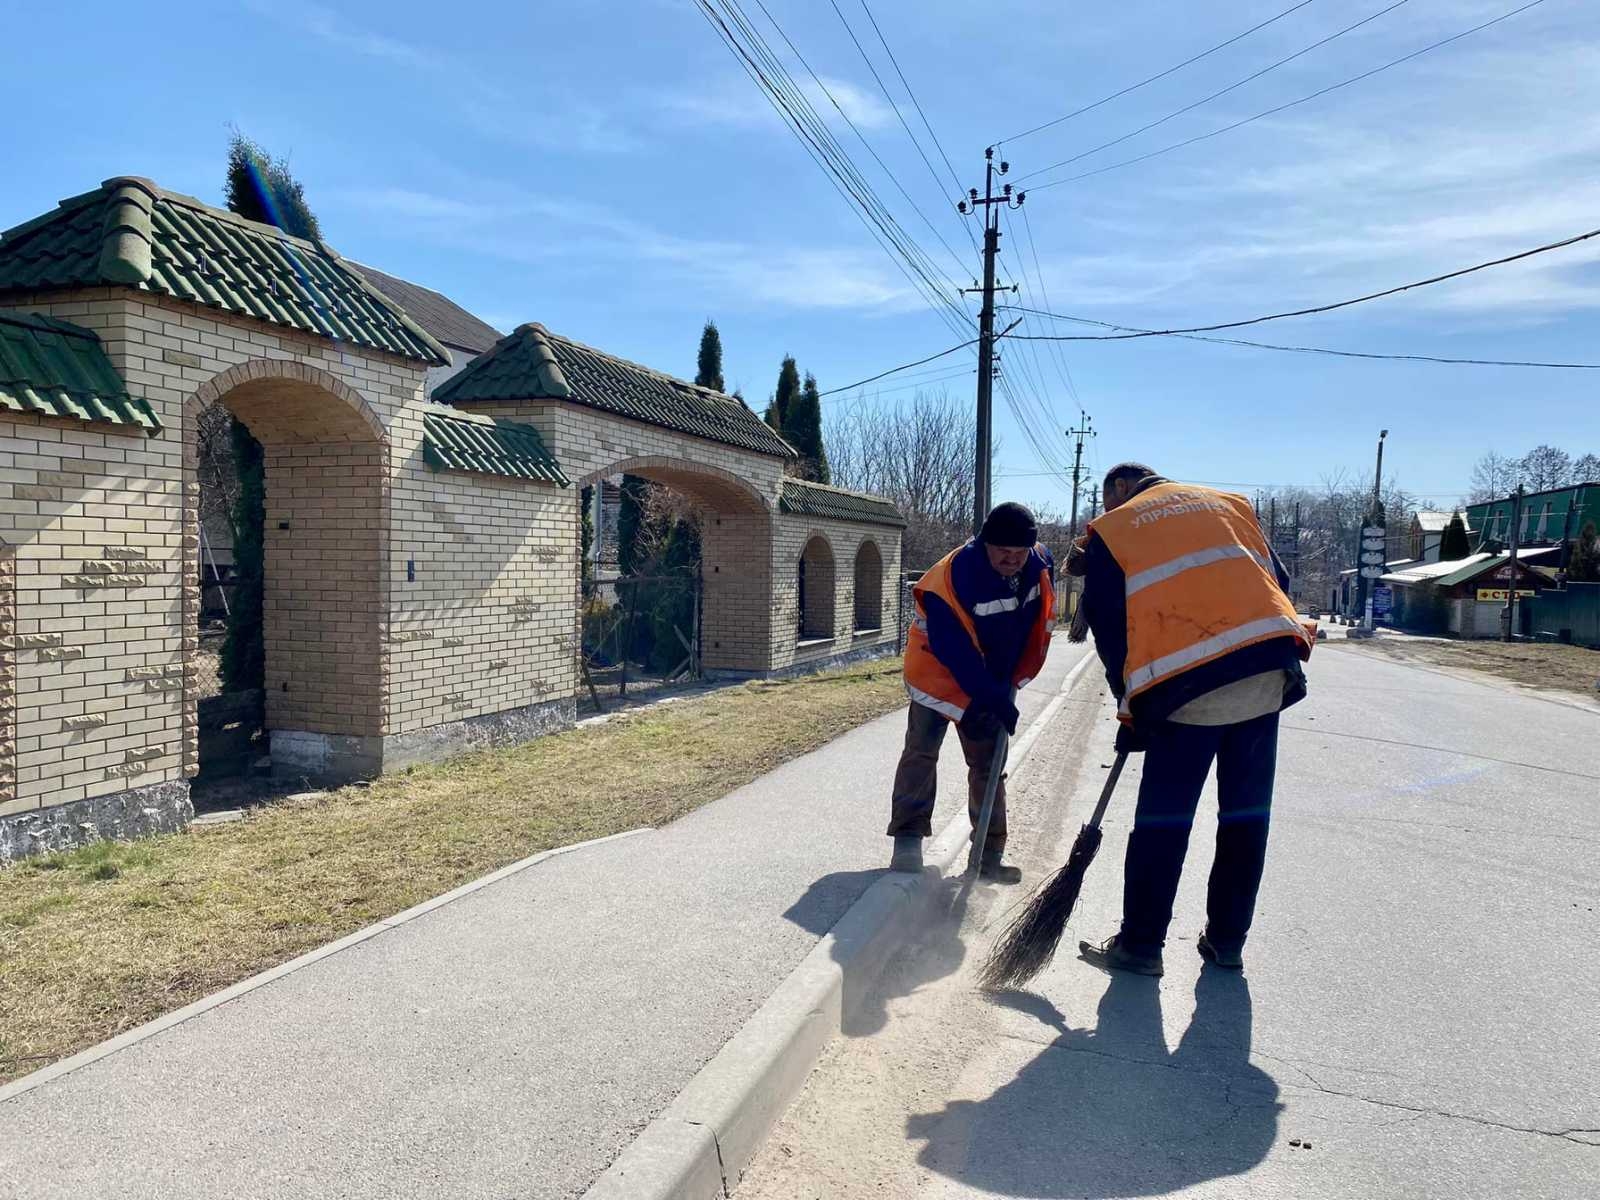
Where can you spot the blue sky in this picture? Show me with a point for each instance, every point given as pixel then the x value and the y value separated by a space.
pixel 606 168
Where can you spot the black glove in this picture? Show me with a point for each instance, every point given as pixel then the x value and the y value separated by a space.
pixel 986 718
pixel 1129 740
pixel 1008 716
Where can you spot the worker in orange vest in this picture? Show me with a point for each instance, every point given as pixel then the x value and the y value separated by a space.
pixel 1202 647
pixel 980 632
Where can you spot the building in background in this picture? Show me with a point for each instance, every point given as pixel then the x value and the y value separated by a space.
pixel 1551 518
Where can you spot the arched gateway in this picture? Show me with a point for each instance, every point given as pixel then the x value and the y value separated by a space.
pixel 421 552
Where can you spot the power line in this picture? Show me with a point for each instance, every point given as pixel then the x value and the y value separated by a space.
pixel 872 67
pixel 934 380
pixel 1321 308
pixel 1133 87
pixel 954 178
pixel 768 73
pixel 1117 141
pixel 1128 162
pixel 1428 358
pixel 860 136
pixel 896 370
pixel 1038 271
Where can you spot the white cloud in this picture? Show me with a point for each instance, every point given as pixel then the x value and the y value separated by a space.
pixel 737 102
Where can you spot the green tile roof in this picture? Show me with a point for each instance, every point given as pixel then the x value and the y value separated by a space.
pixel 459 441
pixel 130 233
pixel 534 364
pixel 57 369
pixel 804 499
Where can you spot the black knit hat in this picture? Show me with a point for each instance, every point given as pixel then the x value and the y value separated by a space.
pixel 1010 524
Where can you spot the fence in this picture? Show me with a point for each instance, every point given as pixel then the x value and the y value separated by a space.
pixel 1569 614
pixel 640 633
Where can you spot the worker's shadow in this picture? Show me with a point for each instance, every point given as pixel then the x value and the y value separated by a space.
pixel 1109 1112
pixel 896 968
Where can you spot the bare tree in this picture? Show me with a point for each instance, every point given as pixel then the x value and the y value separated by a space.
pixel 1493 476
pixel 1586 469
pixel 1545 467
pixel 917 453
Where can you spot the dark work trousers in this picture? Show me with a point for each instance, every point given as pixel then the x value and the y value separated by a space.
pixel 1176 764
pixel 916 782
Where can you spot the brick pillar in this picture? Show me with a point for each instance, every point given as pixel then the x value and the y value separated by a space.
pixel 736 608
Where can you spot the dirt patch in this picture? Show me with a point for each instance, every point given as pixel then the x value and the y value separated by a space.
pixel 103 939
pixel 1535 664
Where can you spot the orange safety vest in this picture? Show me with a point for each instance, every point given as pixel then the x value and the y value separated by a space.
pixel 1200 582
pixel 928 680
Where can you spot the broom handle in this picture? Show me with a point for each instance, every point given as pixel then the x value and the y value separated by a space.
pixel 991 789
pixel 1105 792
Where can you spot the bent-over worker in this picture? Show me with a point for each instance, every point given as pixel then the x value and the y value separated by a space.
pixel 981 630
pixel 1202 647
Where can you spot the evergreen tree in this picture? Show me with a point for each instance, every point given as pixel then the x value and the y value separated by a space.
pixel 709 371
pixel 783 399
pixel 1454 544
pixel 244 652
pixel 261 188
pixel 803 428
pixel 1584 566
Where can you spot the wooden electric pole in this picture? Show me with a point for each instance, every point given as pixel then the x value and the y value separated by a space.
pixel 1083 431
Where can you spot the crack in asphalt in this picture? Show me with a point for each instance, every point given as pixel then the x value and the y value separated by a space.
pixel 1576 1136
pixel 1505 762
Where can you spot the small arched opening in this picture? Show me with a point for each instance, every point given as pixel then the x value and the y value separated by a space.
pixel 869 588
pixel 817 585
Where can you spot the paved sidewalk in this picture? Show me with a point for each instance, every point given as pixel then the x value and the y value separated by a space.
pixel 509 1043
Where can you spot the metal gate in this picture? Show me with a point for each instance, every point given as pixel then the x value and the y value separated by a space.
pixel 641 633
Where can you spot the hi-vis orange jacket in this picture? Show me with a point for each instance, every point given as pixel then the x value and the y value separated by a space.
pixel 928 680
pixel 1199 582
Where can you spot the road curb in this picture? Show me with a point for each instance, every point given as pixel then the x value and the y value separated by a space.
pixel 709 1133
pixel 216 1000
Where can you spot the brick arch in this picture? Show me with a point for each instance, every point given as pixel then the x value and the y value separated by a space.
pixel 273 374
pixel 713 486
pixel 868 584
pixel 326 531
pixel 819 587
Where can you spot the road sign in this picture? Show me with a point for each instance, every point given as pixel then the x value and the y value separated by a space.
pixel 1372 558
pixel 1373 572
pixel 1372 531
pixel 1382 600
pixel 1373 543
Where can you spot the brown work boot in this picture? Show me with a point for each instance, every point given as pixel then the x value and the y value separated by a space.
pixel 991 868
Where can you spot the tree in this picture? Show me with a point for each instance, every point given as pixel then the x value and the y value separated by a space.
pixel 803 428
pixel 1584 566
pixel 1586 469
pixel 244 658
pixel 1494 476
pixel 788 391
pixel 917 453
pixel 1545 467
pixel 632 527
pixel 709 371
pixel 1454 544
pixel 260 188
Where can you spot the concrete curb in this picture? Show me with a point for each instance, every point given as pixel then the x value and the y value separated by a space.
pixel 161 1024
pixel 707 1136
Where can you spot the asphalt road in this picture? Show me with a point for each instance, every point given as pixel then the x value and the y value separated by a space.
pixel 510 1043
pixel 1420 1016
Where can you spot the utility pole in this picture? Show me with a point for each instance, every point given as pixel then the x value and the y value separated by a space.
pixel 988 206
pixel 1509 632
pixel 1083 431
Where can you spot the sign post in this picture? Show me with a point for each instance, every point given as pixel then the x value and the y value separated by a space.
pixel 1373 540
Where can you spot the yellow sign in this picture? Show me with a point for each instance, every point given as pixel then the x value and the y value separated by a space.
pixel 1500 593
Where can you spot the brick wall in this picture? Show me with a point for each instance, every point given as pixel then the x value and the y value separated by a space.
pixel 8 677
pixel 845 540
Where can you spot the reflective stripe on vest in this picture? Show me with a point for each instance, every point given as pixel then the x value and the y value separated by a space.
pixel 1187 562
pixel 1181 660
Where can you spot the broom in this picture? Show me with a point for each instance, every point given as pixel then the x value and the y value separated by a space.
pixel 1030 941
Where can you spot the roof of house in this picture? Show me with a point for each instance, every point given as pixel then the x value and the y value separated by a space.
pixel 1433 522
pixel 437 313
pixel 803 498
pixel 57 369
pixel 1451 572
pixel 460 441
pixel 1556 491
pixel 531 363
pixel 130 233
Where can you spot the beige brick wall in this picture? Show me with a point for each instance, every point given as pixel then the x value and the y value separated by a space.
pixel 845 540
pixel 8 678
